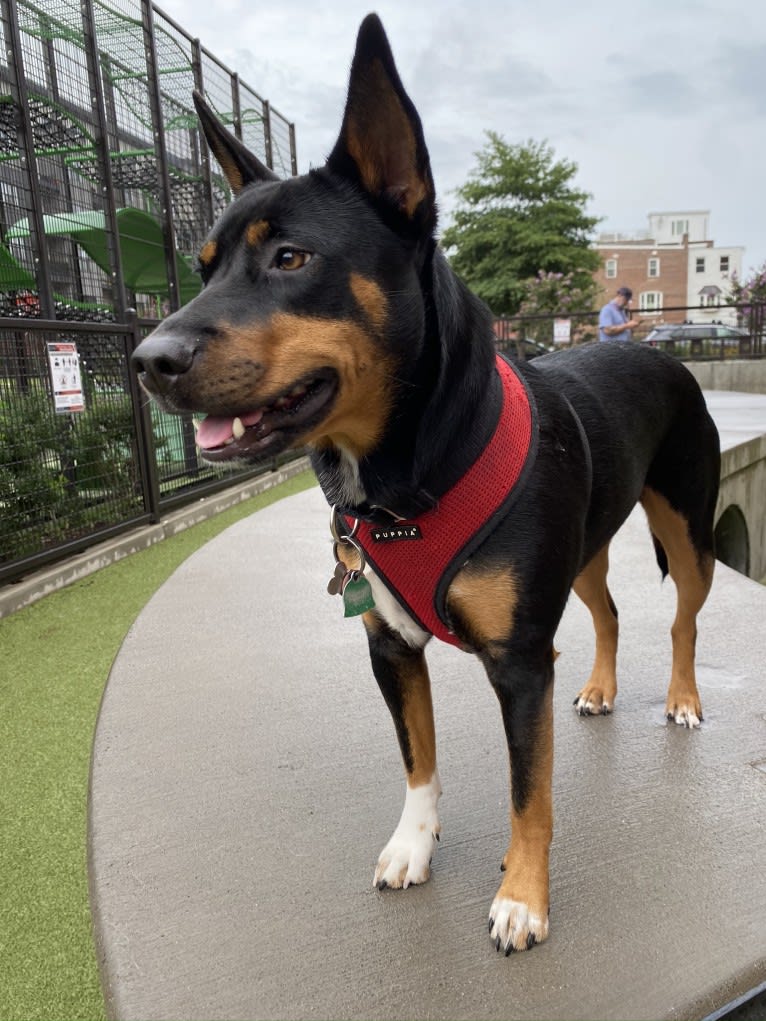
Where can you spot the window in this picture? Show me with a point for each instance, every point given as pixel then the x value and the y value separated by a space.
pixel 679 227
pixel 611 269
pixel 724 263
pixel 700 266
pixel 650 301
pixel 653 268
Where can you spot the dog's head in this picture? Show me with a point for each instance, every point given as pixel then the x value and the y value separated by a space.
pixel 312 316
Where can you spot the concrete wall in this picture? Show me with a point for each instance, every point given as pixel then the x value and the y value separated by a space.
pixel 741 499
pixel 741 511
pixel 747 376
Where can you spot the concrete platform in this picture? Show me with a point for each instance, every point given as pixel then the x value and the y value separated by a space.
pixel 740 417
pixel 245 776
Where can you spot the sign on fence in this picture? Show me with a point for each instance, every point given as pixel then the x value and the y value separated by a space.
pixel 65 374
pixel 562 331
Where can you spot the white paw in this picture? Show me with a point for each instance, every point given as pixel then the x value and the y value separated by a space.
pixel 685 717
pixel 406 858
pixel 593 702
pixel 513 927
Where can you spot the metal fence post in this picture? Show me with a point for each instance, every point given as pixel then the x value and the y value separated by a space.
pixel 142 416
pixel 200 141
pixel 28 158
pixel 236 106
pixel 160 147
pixel 293 151
pixel 267 134
pixel 98 105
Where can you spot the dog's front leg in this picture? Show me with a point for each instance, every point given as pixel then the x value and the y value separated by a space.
pixel 518 917
pixel 402 676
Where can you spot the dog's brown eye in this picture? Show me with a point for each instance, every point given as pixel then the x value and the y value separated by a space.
pixel 291 258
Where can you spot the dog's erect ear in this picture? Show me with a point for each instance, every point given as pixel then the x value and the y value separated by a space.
pixel 381 140
pixel 239 165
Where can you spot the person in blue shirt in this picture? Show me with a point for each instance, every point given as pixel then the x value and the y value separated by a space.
pixel 614 321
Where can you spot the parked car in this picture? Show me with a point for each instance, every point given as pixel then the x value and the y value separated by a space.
pixel 522 348
pixel 706 339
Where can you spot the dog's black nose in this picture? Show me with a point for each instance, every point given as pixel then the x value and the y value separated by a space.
pixel 162 357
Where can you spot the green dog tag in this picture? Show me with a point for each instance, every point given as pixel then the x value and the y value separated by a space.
pixel 357 597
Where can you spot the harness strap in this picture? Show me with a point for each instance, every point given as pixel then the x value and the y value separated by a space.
pixel 417 559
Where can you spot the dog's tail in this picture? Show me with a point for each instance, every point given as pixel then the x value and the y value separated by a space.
pixel 661 555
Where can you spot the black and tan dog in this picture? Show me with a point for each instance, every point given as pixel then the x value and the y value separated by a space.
pixel 330 318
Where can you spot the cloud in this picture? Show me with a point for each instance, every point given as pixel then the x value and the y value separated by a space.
pixel 662 109
pixel 662 94
pixel 742 73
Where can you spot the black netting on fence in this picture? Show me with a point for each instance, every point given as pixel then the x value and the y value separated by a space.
pixel 107 193
pixel 97 125
pixel 64 474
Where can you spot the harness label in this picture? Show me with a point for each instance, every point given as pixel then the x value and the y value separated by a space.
pixel 395 533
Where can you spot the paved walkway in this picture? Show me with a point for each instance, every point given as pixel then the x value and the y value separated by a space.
pixel 245 776
pixel 739 417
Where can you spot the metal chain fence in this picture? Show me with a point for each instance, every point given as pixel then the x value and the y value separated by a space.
pixel 83 454
pixel 732 331
pixel 107 192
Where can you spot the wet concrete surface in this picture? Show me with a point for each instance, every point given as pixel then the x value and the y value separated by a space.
pixel 246 775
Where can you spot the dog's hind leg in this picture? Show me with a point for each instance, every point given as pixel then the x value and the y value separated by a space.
pixel 690 565
pixel 598 695
pixel 402 676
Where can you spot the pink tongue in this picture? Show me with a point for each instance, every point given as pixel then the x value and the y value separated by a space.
pixel 214 432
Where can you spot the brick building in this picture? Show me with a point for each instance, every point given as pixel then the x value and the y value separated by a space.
pixel 675 271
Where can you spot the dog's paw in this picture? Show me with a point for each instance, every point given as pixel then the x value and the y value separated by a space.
pixel 406 858
pixel 686 713
pixel 405 862
pixel 513 927
pixel 593 701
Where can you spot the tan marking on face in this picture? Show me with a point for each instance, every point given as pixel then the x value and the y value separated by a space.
pixel 383 147
pixel 208 252
pixel 291 347
pixel 484 600
pixel 257 232
pixel 370 299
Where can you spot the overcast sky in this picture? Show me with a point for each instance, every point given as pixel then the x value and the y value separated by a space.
pixel 660 103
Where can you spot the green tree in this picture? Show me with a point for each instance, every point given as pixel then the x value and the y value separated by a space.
pixel 519 213
pixel 557 294
pixel 749 295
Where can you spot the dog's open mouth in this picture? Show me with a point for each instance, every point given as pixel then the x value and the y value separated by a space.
pixel 263 431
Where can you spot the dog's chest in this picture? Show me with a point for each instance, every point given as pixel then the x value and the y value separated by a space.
pixel 394 614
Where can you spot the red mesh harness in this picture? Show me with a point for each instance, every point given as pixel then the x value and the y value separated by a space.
pixel 417 559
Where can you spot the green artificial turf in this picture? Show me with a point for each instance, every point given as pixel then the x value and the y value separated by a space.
pixel 55 657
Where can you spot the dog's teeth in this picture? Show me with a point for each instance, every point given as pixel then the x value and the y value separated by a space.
pixel 238 430
pixel 196 422
pixel 299 391
pixel 280 402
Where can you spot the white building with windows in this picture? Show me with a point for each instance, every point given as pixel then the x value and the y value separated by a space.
pixel 710 271
pixel 710 266
pixel 674 269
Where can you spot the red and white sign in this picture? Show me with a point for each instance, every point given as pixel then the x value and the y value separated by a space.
pixel 65 374
pixel 562 331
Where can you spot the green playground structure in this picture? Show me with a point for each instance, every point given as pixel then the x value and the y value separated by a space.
pixel 107 193
pixel 107 189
